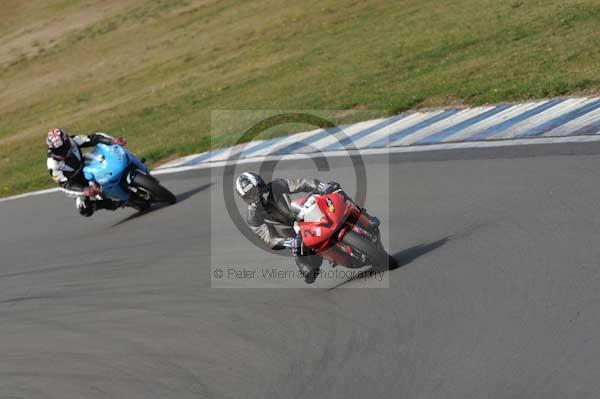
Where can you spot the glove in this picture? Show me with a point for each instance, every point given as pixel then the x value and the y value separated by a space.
pixel 328 188
pixel 91 191
pixel 119 141
pixel 296 246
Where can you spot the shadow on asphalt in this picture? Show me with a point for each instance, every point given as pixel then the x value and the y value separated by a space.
pixel 402 258
pixel 408 255
pixel 180 198
pixel 190 193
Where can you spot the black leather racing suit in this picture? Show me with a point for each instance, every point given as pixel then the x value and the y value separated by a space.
pixel 275 208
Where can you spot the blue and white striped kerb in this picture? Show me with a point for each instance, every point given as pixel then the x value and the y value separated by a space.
pixel 535 119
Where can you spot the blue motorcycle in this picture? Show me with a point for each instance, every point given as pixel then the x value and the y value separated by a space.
pixel 124 178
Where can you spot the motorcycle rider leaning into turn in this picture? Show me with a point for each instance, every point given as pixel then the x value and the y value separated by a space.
pixel 270 204
pixel 65 164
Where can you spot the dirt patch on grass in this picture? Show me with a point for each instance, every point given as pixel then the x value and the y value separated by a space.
pixel 441 101
pixel 45 29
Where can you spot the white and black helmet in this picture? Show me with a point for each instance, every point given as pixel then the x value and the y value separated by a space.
pixel 250 186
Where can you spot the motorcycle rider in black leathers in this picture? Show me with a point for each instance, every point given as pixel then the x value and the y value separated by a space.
pixel 270 203
pixel 65 164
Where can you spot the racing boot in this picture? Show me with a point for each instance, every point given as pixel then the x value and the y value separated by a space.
pixel 374 222
pixel 85 206
pixel 312 276
pixel 309 267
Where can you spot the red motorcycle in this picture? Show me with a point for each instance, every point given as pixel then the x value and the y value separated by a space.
pixel 338 230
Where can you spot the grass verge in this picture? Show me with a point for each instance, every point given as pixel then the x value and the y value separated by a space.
pixel 153 71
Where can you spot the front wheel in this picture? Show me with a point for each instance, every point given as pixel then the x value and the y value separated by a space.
pixel 157 192
pixel 375 254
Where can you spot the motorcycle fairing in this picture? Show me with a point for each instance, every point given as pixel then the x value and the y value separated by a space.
pixel 324 220
pixel 318 231
pixel 106 166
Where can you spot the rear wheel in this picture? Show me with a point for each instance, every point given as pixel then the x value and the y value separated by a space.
pixel 375 254
pixel 157 192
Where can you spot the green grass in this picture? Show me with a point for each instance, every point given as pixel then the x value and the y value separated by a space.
pixel 154 70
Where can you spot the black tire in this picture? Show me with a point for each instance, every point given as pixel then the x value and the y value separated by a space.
pixel 375 254
pixel 157 192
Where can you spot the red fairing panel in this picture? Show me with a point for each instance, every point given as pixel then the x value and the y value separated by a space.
pixel 335 211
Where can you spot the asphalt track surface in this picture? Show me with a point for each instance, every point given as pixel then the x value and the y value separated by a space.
pixel 497 294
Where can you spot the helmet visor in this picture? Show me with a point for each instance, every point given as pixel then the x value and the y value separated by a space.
pixel 62 151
